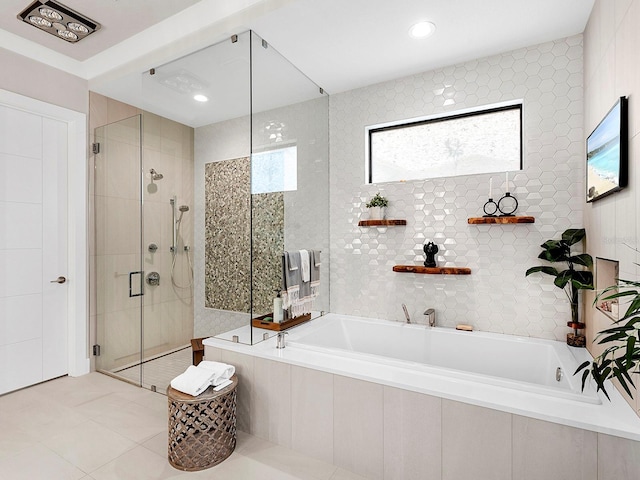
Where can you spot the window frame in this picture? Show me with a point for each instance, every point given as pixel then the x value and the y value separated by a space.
pixel 443 117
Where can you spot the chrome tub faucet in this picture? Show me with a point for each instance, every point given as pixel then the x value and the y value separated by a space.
pixel 430 313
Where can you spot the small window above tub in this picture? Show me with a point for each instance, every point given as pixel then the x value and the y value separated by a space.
pixel 466 142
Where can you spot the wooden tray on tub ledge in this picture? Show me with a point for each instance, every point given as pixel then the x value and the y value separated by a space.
pixel 260 322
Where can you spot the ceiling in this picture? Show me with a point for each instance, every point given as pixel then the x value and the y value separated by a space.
pixel 339 44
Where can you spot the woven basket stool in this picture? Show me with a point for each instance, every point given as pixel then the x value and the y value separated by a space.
pixel 202 429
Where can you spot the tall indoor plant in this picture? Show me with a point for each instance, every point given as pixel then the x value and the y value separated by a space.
pixel 570 279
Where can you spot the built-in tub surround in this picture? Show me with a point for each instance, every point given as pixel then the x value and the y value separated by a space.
pixel 496 297
pixel 381 418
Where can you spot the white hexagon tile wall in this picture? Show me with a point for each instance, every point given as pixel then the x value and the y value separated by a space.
pixel 496 296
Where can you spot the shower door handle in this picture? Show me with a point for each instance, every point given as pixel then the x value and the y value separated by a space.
pixel 131 274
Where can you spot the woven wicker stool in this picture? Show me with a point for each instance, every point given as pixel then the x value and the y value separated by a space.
pixel 202 429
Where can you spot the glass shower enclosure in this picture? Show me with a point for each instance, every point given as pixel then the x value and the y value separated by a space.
pixel 144 236
pixel 224 167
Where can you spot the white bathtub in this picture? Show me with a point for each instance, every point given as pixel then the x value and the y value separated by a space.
pixel 503 372
pixel 540 366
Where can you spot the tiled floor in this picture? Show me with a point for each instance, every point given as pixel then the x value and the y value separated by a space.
pixel 96 427
pixel 159 371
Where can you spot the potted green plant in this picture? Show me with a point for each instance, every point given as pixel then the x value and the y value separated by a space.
pixel 376 207
pixel 570 279
pixel 621 359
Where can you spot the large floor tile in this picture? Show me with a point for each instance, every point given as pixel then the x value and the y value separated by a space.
pixel 89 445
pixel 137 464
pixel 133 421
pixel 292 463
pixel 38 463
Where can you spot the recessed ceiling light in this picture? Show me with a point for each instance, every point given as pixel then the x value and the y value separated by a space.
pixel 200 98
pixel 422 30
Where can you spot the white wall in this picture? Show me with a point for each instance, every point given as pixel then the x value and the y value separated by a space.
pixel 496 296
pixel 611 46
pixel 33 79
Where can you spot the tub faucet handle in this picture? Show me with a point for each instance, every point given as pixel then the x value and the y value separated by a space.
pixel 281 343
pixel 431 316
pixel 406 313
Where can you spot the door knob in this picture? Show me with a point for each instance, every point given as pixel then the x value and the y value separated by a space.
pixel 59 280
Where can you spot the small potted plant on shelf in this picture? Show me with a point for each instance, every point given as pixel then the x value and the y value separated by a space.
pixel 570 279
pixel 376 207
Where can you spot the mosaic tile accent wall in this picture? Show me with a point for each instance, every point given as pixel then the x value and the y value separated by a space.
pixel 228 265
pixel 496 296
pixel 228 235
pixel 268 245
pixel 229 207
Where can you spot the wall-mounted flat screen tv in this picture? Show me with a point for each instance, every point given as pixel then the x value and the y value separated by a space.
pixel 607 153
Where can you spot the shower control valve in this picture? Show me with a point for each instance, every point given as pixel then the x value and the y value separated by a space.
pixel 153 279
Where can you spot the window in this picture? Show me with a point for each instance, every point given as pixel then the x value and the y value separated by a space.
pixel 274 170
pixel 462 143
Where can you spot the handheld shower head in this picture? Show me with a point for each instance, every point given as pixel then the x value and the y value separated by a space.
pixel 184 208
pixel 155 175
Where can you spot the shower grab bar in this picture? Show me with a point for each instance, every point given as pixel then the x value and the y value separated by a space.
pixel 131 274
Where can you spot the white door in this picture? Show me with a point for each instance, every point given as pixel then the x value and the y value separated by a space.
pixel 33 248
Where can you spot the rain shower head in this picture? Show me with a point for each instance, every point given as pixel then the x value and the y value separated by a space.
pixel 155 175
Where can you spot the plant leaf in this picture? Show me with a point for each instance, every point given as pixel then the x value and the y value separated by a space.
pixel 544 269
pixel 555 254
pixel 582 259
pixel 585 375
pixel 631 342
pixel 582 280
pixel 573 235
pixel 582 366
pixel 563 278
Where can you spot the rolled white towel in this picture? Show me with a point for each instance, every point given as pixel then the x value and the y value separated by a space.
pixel 305 265
pixel 221 371
pixel 193 381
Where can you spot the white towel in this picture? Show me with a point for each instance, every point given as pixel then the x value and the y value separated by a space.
pixel 305 265
pixel 193 381
pixel 221 371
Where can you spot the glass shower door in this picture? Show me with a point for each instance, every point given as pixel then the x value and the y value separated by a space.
pixel 118 259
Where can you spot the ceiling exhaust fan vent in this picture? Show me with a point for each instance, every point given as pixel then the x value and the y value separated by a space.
pixel 58 20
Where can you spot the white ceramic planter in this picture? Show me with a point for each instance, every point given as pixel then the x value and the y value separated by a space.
pixel 376 213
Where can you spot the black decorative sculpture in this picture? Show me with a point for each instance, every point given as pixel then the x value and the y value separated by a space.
pixel 430 249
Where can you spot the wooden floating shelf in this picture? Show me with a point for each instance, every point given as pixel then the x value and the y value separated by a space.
pixel 381 223
pixel 500 220
pixel 432 270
